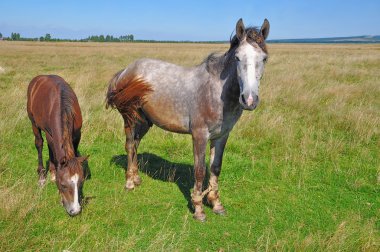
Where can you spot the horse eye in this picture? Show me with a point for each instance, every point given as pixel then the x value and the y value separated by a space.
pixel 237 58
pixel 265 59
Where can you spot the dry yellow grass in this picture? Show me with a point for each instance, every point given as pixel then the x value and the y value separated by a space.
pixel 300 173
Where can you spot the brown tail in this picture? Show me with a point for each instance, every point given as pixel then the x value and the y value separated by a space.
pixel 127 94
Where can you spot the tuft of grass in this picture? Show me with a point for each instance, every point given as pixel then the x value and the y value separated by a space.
pixel 300 173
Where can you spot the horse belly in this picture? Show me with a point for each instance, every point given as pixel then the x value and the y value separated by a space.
pixel 167 116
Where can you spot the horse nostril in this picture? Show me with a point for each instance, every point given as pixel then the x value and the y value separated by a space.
pixel 73 212
pixel 256 99
pixel 243 99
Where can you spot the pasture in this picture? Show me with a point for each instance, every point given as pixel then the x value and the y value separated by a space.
pixel 301 172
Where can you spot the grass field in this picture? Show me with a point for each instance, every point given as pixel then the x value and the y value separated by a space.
pixel 300 173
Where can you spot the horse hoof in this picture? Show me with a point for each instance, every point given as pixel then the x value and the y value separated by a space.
pixel 200 217
pixel 41 182
pixel 219 211
pixel 137 180
pixel 129 186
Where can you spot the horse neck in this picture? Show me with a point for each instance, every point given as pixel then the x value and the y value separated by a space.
pixel 62 135
pixel 67 127
pixel 229 80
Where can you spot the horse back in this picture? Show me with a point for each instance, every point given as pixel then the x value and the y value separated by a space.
pixel 45 101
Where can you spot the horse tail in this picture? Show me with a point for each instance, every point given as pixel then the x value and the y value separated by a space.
pixel 126 92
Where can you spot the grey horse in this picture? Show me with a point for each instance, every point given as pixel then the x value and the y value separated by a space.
pixel 205 101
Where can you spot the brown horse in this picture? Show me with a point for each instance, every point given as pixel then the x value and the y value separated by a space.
pixel 53 108
pixel 205 101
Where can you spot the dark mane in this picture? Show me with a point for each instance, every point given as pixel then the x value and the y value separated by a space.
pixel 67 100
pixel 215 62
pixel 67 116
pixel 253 36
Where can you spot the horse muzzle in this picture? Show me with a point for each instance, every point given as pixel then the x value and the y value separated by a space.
pixel 249 102
pixel 72 211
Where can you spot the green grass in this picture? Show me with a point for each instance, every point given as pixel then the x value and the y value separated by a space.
pixel 300 173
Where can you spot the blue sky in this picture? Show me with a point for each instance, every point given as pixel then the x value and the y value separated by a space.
pixel 189 20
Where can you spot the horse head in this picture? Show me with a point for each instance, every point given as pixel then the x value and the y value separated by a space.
pixel 69 178
pixel 250 57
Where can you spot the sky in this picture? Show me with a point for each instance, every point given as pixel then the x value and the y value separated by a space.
pixel 195 20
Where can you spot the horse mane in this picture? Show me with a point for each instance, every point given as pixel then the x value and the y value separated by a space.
pixel 253 36
pixel 217 61
pixel 67 118
pixel 126 92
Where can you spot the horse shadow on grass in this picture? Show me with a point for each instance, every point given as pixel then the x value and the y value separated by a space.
pixel 161 169
pixel 87 175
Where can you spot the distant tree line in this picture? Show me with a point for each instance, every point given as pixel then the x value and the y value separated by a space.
pixel 96 38
pixel 110 38
pixel 100 38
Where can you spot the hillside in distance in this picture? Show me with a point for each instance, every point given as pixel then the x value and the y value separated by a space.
pixel 355 39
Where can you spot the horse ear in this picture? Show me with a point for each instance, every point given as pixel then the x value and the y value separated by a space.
pixel 240 30
pixel 265 29
pixel 83 158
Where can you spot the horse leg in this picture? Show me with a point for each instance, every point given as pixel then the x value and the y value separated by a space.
pixel 39 141
pixel 133 137
pixel 199 150
pixel 216 156
pixel 76 140
pixel 52 168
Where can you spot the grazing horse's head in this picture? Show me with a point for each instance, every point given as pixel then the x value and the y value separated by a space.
pixel 69 179
pixel 250 57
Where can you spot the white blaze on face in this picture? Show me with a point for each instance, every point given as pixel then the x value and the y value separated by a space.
pixel 75 206
pixel 250 67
